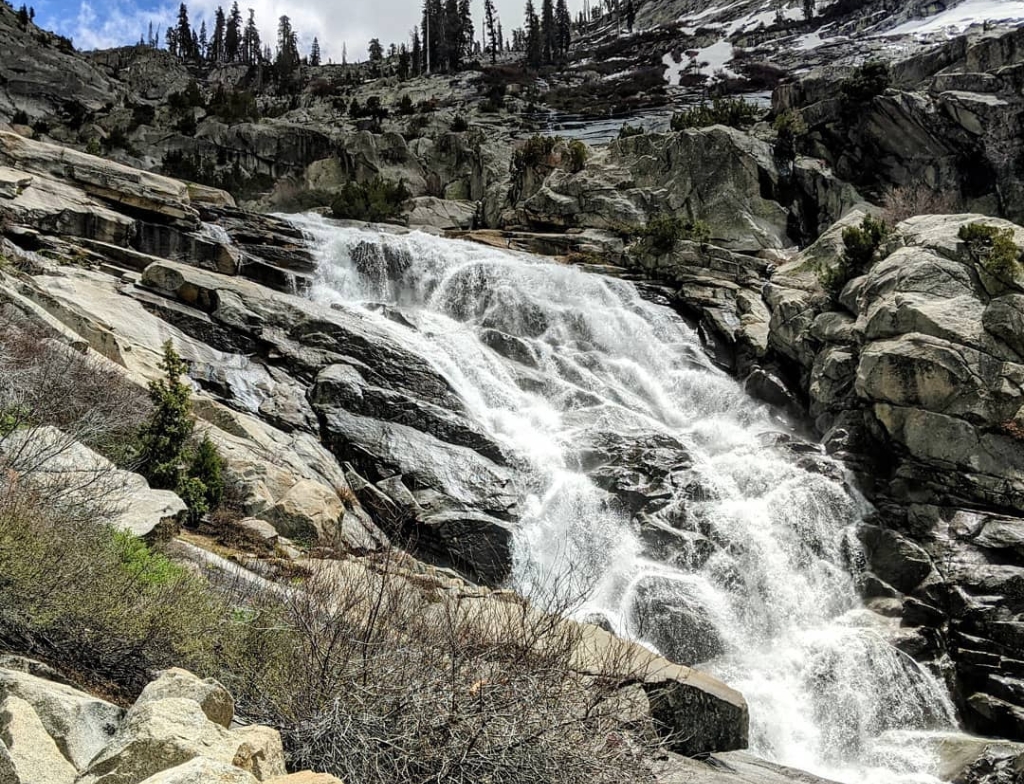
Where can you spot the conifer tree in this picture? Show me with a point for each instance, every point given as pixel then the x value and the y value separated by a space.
pixel 184 34
pixel 233 35
pixel 533 44
pixel 563 28
pixel 631 15
pixel 251 41
pixel 287 48
pixel 216 54
pixel 452 35
pixel 416 55
pixel 548 34
pixel 376 55
pixel 490 29
pixel 467 33
pixel 314 53
pixel 202 42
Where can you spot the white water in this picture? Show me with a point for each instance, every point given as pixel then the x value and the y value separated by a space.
pixel 777 609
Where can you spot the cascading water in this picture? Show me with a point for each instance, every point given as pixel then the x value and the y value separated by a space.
pixel 738 560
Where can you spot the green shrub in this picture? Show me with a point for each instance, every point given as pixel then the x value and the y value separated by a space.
pixel 789 127
pixel 534 151
pixel 142 563
pixel 377 200
pixel 577 155
pixel 864 84
pixel 734 112
pixel 860 243
pixel 19 118
pixel 405 106
pixel 628 130
pixel 93 146
pixel 208 468
pixel 185 100
pixel 459 124
pixel 663 231
pixel 233 106
pixel 993 248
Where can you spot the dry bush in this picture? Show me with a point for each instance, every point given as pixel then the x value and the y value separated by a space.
pixel 902 202
pixel 374 679
pixel 46 382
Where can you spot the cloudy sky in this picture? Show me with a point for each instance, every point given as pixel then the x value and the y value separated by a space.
pixel 103 23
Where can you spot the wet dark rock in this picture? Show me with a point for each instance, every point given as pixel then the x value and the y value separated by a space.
pixel 669 615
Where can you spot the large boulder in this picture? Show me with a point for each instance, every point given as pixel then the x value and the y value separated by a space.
pixel 202 771
pixel 33 752
pixel 80 724
pixel 67 469
pixel 156 735
pixel 216 702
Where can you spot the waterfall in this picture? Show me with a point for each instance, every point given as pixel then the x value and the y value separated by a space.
pixel 739 552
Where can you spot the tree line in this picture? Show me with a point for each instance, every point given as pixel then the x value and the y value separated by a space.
pixel 232 41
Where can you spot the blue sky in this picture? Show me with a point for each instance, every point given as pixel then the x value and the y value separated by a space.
pixel 104 23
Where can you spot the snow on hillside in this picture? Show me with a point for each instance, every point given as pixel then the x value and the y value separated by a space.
pixel 962 16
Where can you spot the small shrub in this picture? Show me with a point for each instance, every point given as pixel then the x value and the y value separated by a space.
pixel 577 154
pixel 138 560
pixel 905 202
pixel 20 118
pixel 663 231
pixel 142 114
pixel 377 200
pixel 208 468
pixel 865 83
pixel 183 101
pixel 459 124
pixel 993 248
pixel 187 125
pixel 534 151
pixel 93 146
pixel 789 127
pixel 860 243
pixel 117 139
pixel 628 130
pixel 405 106
pixel 734 112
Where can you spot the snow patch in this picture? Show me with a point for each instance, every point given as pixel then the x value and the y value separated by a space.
pixel 711 61
pixel 963 16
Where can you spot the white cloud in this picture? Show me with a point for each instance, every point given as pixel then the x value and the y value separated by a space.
pixel 105 24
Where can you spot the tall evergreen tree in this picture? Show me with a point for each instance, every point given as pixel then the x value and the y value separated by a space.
pixel 251 41
pixel 417 53
pixel 403 62
pixel 563 28
pixel 548 34
pixel 171 40
pixel 490 29
pixel 452 35
pixel 501 38
pixel 467 33
pixel 630 15
pixel 314 53
pixel 287 49
pixel 233 35
pixel 534 45
pixel 184 34
pixel 216 54
pixel 376 55
pixel 203 43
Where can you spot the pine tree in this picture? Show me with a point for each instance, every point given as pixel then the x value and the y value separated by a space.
pixel 501 38
pixel 314 53
pixel 251 41
pixel 233 35
pixel 287 49
pixel 376 55
pixel 171 40
pixel 417 53
pixel 466 30
pixel 563 28
pixel 631 14
pixel 403 62
pixel 151 42
pixel 490 29
pixel 217 44
pixel 452 35
pixel 184 34
pixel 534 45
pixel 547 31
pixel 202 42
